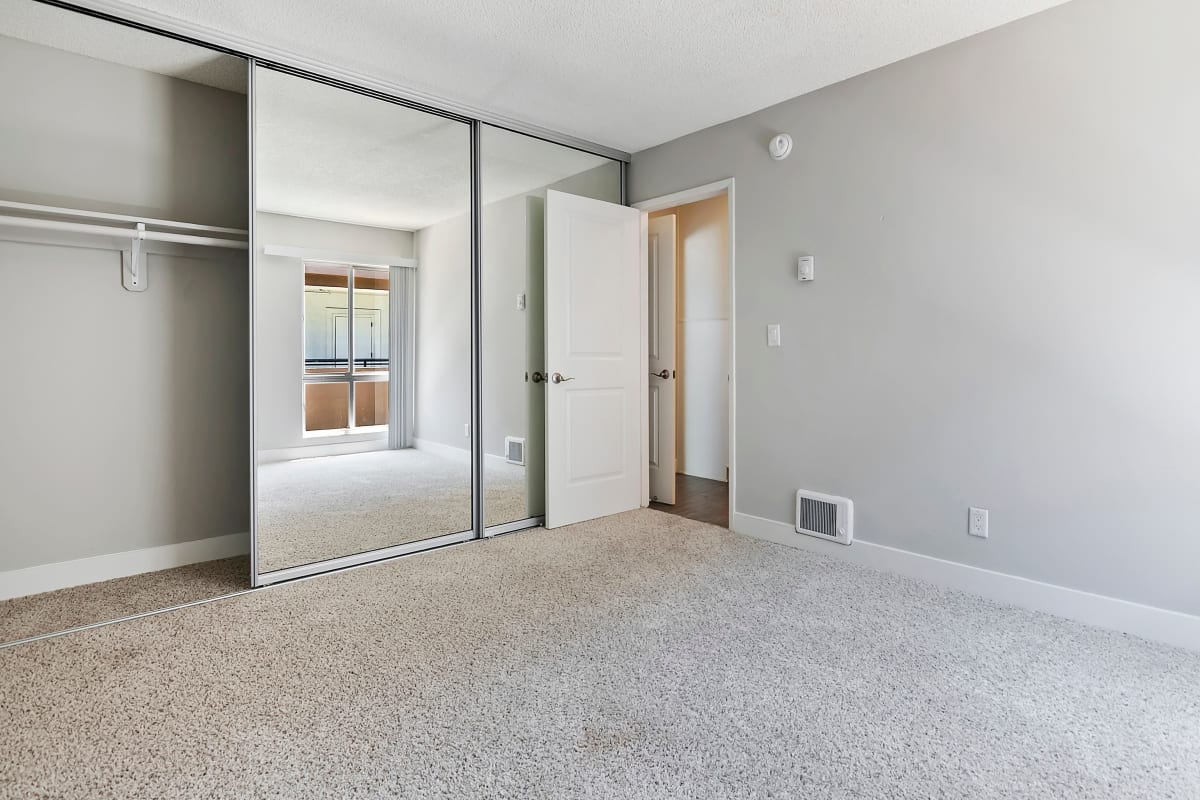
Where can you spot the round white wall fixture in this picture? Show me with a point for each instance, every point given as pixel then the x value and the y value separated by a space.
pixel 780 146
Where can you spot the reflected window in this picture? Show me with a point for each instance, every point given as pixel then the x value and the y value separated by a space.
pixel 346 348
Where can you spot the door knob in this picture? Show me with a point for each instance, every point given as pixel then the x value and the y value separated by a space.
pixel 664 374
pixel 558 378
pixel 538 377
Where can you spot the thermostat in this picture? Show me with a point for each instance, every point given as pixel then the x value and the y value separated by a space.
pixel 806 268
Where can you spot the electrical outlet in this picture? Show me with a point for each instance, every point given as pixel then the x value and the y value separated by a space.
pixel 977 523
pixel 773 335
pixel 467 429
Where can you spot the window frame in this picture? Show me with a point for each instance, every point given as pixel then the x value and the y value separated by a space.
pixel 350 376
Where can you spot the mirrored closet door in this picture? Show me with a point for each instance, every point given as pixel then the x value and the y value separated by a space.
pixel 516 172
pixel 362 327
pixel 123 228
pixel 392 258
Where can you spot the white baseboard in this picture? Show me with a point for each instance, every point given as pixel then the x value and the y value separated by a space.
pixel 455 453
pixel 63 574
pixel 320 449
pixel 1149 622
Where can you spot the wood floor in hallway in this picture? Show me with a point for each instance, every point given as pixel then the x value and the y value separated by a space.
pixel 699 499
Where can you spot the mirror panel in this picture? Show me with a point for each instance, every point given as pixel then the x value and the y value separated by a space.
pixel 516 172
pixel 362 324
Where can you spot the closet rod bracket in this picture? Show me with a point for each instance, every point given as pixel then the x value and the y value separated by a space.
pixel 133 262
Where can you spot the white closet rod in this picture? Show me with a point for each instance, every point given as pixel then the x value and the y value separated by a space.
pixel 133 258
pixel 128 233
pixel 157 223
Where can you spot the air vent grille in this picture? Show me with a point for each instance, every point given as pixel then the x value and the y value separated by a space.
pixel 514 450
pixel 818 516
pixel 825 516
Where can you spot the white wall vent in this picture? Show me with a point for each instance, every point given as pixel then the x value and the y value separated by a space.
pixel 825 516
pixel 514 450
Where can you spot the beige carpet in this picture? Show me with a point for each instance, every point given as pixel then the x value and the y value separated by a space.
pixel 314 509
pixel 98 602
pixel 641 656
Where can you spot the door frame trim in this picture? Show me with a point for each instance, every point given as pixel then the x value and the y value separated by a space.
pixel 653 296
pixel 684 197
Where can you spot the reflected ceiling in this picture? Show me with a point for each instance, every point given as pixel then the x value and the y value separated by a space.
pixel 330 154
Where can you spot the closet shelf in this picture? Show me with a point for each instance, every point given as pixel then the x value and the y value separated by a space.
pixel 133 266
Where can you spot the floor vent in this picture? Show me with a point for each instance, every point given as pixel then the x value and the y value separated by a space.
pixel 514 450
pixel 825 516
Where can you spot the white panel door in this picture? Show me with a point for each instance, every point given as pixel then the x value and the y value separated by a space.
pixel 593 359
pixel 660 267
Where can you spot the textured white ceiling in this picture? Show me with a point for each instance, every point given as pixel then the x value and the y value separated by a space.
pixel 623 73
pixel 326 153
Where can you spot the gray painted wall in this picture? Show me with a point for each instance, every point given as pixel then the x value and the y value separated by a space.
pixel 279 344
pixel 506 274
pixel 443 374
pixel 126 414
pixel 100 136
pixel 1004 313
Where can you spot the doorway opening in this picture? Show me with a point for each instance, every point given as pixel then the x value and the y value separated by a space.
pixel 689 344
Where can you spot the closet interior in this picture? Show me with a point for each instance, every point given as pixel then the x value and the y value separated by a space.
pixel 123 250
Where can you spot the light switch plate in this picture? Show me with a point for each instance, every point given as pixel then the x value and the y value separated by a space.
pixel 521 302
pixel 773 335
